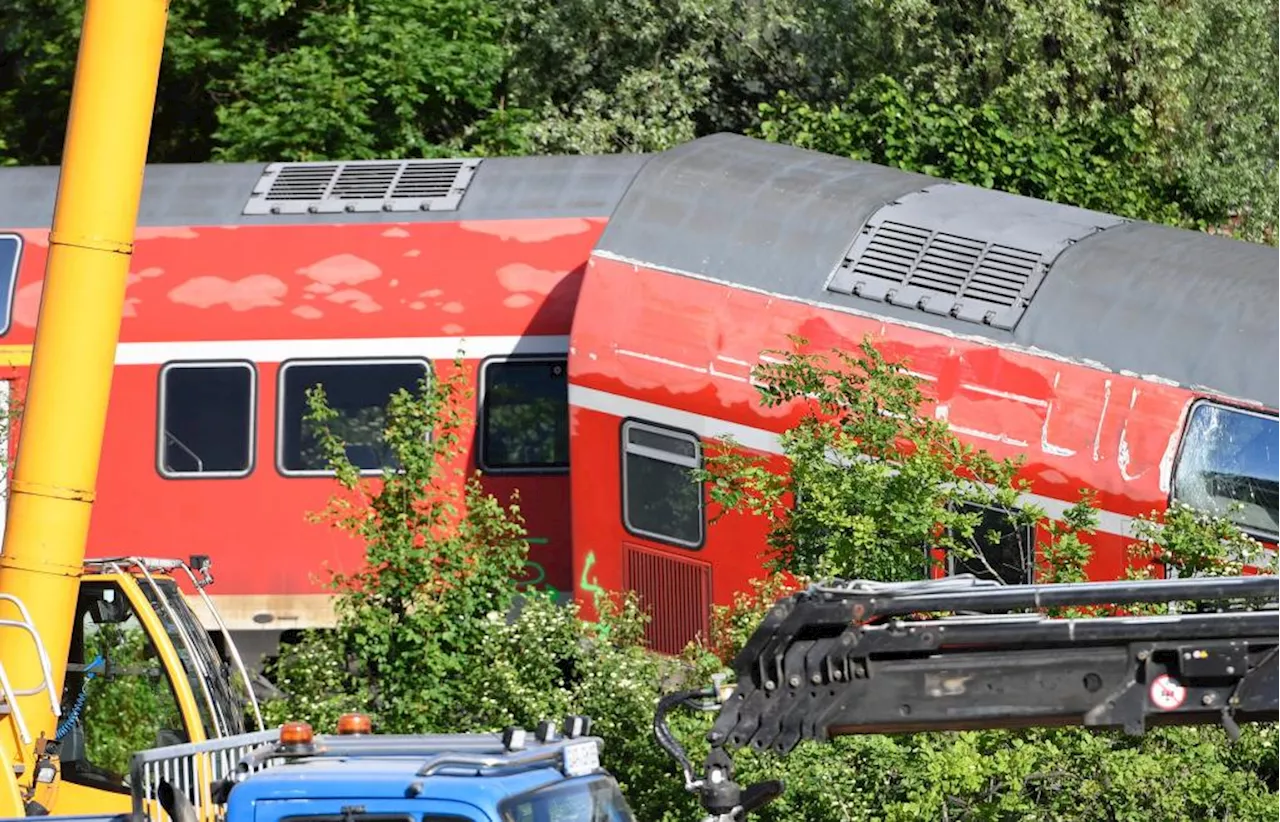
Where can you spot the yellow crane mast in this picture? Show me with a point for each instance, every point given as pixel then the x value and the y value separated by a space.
pixel 56 610
pixel 90 248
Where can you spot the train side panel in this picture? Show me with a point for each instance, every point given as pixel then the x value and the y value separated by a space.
pixel 225 326
pixel 668 355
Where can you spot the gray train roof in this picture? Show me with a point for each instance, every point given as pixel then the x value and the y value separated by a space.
pixel 1182 305
pixel 1178 304
pixel 220 193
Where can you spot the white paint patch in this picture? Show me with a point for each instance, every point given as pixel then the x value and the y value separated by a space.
pixel 1102 418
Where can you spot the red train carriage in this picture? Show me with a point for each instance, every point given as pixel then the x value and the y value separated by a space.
pixel 251 282
pixel 1136 360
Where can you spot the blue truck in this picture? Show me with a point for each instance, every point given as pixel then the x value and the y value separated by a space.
pixel 550 774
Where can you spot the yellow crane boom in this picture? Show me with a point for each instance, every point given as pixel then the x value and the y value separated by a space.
pixel 90 248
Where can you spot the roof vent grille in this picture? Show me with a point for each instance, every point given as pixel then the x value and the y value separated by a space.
pixel 950 250
pixel 361 186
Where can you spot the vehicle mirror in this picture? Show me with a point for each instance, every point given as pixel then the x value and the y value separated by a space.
pixel 109 611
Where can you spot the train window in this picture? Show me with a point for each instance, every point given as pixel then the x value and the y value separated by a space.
pixel 1005 549
pixel 207 419
pixel 359 391
pixel 660 499
pixel 1228 466
pixel 524 416
pixel 10 255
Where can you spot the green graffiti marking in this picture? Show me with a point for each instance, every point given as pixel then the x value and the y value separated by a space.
pixel 589 583
pixel 537 569
pixel 539 572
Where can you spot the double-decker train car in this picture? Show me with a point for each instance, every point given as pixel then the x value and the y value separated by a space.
pixel 608 311
pixel 252 282
pixel 1134 360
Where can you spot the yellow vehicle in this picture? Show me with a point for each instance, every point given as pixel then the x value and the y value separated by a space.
pixel 98 660
pixel 142 673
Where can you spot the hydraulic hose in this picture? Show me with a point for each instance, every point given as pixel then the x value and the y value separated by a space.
pixel 663 733
pixel 74 714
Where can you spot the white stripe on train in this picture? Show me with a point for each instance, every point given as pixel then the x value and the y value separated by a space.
pixel 274 351
pixel 761 440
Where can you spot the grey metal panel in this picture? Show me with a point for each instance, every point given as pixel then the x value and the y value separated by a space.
pixel 216 193
pixel 764 215
pixel 26 196
pixel 971 253
pixel 1184 305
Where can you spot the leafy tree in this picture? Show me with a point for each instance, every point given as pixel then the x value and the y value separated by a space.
pixel 440 555
pixel 873 483
pixel 361 80
pixel 1128 107
pixel 1113 165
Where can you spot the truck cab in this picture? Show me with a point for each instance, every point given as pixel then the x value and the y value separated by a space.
pixel 551 774
pixel 391 789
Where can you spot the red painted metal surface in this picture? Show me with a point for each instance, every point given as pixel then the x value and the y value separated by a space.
pixel 648 342
pixel 235 289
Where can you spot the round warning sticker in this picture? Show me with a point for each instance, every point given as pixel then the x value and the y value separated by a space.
pixel 1166 693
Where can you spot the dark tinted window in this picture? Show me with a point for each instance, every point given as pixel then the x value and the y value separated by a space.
pixel 660 498
pixel 1004 550
pixel 10 254
pixel 359 392
pixel 525 416
pixel 1228 466
pixel 584 799
pixel 206 419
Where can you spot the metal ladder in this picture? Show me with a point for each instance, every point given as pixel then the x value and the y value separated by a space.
pixel 9 707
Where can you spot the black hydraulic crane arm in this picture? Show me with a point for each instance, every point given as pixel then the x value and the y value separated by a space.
pixel 956 653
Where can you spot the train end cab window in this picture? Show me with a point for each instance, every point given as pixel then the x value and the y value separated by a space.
pixel 207 418
pixel 524 416
pixel 10 255
pixel 660 499
pixel 359 390
pixel 1005 549
pixel 1228 466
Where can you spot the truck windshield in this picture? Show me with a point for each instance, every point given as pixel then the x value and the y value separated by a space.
pixel 584 799
pixel 198 654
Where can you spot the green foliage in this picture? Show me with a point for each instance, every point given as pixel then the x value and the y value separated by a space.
pixel 1189 542
pixel 548 662
pixel 319 680
pixel 365 79
pixel 867 407
pixel 1112 165
pixel 440 555
pixel 537 659
pixel 1143 108
pixel 130 703
pixel 431 636
pixel 871 482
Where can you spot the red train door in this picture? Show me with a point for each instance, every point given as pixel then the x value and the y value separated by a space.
pixel 522 442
